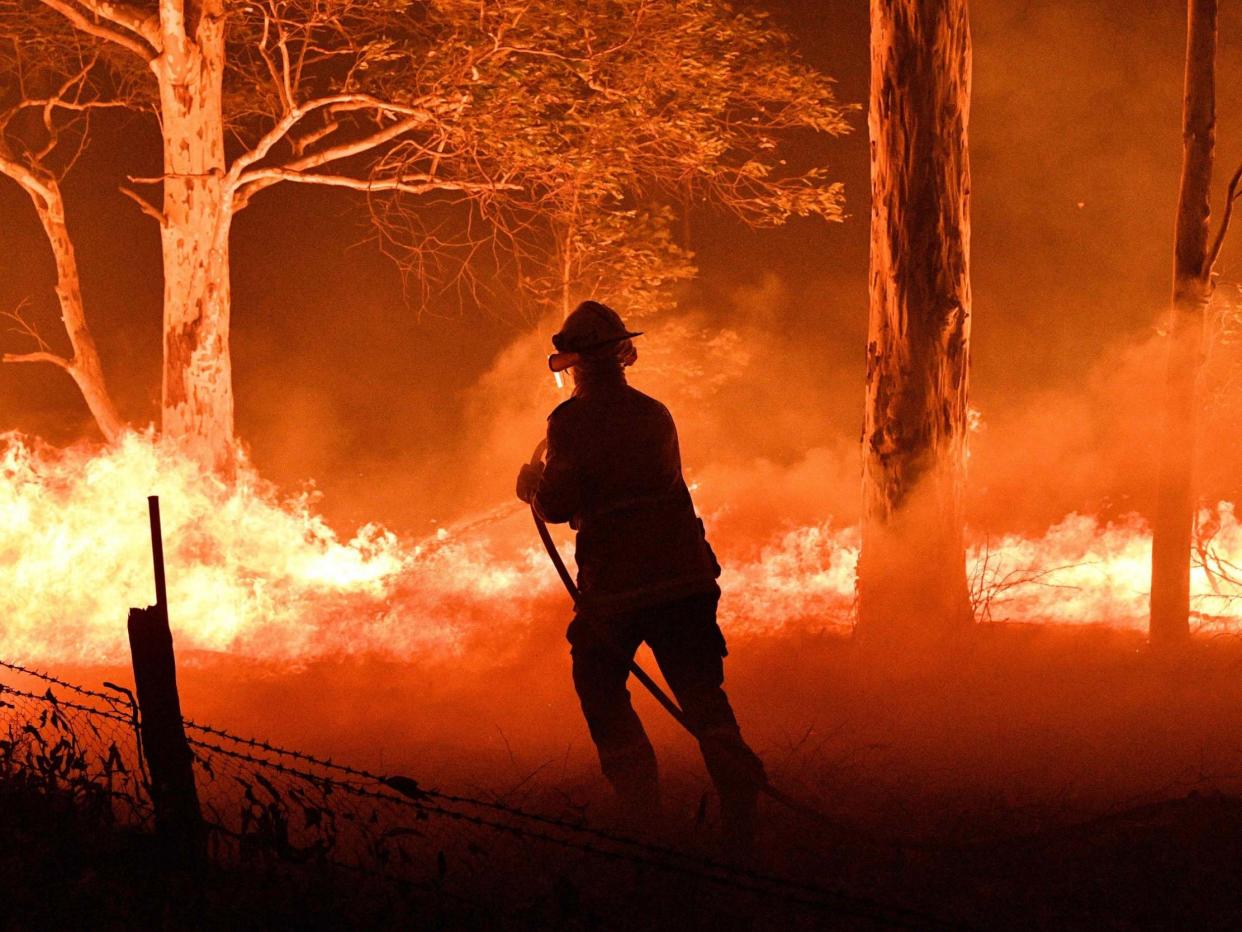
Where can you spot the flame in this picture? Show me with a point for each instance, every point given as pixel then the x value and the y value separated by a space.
pixel 248 572
pixel 261 575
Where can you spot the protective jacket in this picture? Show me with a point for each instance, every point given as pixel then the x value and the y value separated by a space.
pixel 613 471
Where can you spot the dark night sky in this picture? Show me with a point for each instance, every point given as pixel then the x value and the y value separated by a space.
pixel 1075 149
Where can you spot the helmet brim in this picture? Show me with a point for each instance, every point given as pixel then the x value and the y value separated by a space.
pixel 627 335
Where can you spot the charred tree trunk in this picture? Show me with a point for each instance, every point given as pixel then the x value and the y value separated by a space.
pixel 912 572
pixel 84 365
pixel 197 212
pixel 1192 290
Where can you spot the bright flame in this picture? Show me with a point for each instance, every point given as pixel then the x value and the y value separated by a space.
pixel 248 572
pixel 261 576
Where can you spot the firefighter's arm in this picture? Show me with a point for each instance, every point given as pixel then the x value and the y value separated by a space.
pixel 557 496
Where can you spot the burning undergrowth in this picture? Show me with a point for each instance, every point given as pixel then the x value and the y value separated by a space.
pixel 262 576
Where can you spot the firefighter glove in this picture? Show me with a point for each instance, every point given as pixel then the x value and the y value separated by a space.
pixel 528 481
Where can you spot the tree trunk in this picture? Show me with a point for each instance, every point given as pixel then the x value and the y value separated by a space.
pixel 197 384
pixel 567 268
pixel 1192 290
pixel 568 258
pixel 912 573
pixel 84 366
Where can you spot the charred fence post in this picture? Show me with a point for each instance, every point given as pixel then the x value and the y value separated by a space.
pixel 178 818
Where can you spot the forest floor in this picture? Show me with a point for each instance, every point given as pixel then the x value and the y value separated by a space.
pixel 1048 778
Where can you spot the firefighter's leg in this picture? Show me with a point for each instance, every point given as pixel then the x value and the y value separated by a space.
pixel 601 657
pixel 689 648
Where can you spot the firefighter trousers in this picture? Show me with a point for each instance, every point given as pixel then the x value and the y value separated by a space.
pixel 689 648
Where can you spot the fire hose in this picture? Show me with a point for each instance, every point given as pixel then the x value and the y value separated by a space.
pixel 636 669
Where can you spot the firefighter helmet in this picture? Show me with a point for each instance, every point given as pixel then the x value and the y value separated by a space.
pixel 591 326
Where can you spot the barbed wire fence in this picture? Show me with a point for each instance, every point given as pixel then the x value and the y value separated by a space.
pixel 265 804
pixel 85 751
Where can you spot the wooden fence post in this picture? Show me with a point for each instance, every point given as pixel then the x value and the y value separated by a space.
pixel 178 818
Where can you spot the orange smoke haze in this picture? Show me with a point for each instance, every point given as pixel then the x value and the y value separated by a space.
pixel 262 576
pixel 372 570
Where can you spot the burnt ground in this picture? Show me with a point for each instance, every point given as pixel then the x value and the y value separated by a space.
pixel 1046 778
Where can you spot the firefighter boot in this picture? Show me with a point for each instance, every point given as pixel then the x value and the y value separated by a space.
pixel 635 781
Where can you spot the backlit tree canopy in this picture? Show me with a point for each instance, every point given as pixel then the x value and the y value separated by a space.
pixel 555 139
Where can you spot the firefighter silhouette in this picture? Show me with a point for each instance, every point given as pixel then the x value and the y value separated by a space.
pixel 645 571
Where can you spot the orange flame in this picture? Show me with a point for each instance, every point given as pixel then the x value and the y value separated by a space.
pixel 263 576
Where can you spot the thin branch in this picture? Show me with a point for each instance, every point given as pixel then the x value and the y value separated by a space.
pixel 144 205
pixel 25 328
pixel 1209 264
pixel 59 361
pixel 420 184
pixel 57 103
pixel 43 353
pixel 347 149
pixel 302 143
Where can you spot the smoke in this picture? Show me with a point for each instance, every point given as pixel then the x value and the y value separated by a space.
pixel 444 627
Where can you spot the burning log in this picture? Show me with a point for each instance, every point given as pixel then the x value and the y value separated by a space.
pixel 178 817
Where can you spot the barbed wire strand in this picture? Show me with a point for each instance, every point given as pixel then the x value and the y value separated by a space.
pixel 49 678
pixel 642 852
pixel 67 704
pixel 513 811
pixel 735 878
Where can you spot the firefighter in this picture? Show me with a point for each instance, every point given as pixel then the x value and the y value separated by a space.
pixel 645 572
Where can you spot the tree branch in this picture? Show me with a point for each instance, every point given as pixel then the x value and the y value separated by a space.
pixel 304 142
pixel 43 353
pixel 337 102
pixel 25 176
pixel 40 356
pixel 59 103
pixel 1209 265
pixel 143 204
pixel 418 184
pixel 128 17
pixel 345 150
pixel 99 30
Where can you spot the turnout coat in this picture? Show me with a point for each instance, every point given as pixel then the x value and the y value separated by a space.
pixel 613 472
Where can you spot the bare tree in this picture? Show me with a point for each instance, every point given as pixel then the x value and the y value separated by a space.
pixel 1194 280
pixel 57 81
pixel 912 572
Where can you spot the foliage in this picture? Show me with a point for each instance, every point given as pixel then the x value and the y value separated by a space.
pixel 561 143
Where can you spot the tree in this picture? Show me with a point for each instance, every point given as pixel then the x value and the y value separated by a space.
pixel 912 574
pixel 629 255
pixel 483 112
pixel 678 105
pixel 58 81
pixel 1194 280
